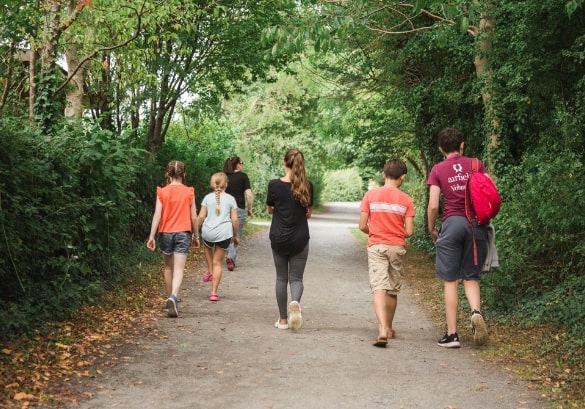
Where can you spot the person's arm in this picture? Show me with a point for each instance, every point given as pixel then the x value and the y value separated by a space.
pixel 201 217
pixel 194 225
pixel 250 199
pixel 151 244
pixel 408 227
pixel 433 211
pixel 363 225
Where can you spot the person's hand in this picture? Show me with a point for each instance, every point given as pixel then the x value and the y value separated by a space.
pixel 236 241
pixel 195 241
pixel 250 213
pixel 151 244
pixel 434 234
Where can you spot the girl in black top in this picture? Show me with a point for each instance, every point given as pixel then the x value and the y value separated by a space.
pixel 289 200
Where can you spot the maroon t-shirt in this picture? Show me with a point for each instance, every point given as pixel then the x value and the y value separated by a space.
pixel 451 176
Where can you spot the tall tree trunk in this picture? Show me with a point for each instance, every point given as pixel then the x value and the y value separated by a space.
pixel 32 89
pixel 484 35
pixel 75 95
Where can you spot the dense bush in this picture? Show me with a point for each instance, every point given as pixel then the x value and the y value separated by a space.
pixel 541 237
pixel 67 209
pixel 344 185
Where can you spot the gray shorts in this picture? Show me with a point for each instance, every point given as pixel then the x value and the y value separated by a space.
pixel 175 243
pixel 455 259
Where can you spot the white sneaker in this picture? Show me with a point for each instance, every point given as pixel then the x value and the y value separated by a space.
pixel 295 319
pixel 480 333
pixel 278 325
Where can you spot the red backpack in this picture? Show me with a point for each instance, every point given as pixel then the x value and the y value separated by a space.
pixel 481 196
pixel 481 199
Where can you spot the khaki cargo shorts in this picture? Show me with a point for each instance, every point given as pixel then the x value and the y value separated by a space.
pixel 385 267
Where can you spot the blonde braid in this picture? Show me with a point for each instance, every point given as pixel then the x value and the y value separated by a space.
pixel 217 195
pixel 218 184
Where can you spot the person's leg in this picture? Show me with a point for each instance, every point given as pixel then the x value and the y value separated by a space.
pixel 168 273
pixel 281 286
pixel 232 251
pixel 218 256
pixel 208 252
pixel 472 293
pixel 178 270
pixel 384 307
pixel 170 262
pixel 451 304
pixel 296 273
pixel 396 256
pixel 391 303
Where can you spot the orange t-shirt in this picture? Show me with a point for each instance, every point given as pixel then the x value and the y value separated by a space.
pixel 387 207
pixel 176 208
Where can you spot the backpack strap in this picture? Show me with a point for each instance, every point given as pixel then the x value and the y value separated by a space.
pixel 468 212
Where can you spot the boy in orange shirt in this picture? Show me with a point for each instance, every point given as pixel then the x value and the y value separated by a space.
pixel 387 216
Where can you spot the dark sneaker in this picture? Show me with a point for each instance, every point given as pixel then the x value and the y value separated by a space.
pixel 480 334
pixel 449 341
pixel 165 307
pixel 172 306
pixel 230 264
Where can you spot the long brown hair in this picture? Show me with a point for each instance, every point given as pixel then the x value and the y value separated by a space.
pixel 230 164
pixel 300 189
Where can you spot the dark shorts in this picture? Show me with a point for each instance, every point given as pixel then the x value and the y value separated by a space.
pixel 224 244
pixel 174 243
pixel 455 259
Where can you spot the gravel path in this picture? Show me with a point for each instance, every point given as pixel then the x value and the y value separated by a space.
pixel 229 355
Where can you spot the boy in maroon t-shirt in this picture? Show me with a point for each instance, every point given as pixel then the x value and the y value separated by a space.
pixel 454 240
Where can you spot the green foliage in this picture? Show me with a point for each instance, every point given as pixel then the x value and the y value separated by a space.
pixel 541 246
pixel 202 147
pixel 344 185
pixel 66 213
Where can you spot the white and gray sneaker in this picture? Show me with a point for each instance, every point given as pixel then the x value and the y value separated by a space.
pixel 480 334
pixel 295 318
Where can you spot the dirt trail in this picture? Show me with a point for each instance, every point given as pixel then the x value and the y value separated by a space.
pixel 229 355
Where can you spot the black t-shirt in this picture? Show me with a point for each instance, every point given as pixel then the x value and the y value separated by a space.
pixel 289 230
pixel 238 183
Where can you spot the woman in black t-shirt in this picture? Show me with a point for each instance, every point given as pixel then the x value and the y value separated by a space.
pixel 239 187
pixel 289 200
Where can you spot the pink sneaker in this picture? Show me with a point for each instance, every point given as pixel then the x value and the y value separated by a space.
pixel 230 264
pixel 213 297
pixel 207 277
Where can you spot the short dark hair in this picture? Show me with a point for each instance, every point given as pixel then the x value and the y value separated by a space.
pixel 450 139
pixel 394 168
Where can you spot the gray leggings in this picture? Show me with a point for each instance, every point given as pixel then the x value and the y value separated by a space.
pixel 289 269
